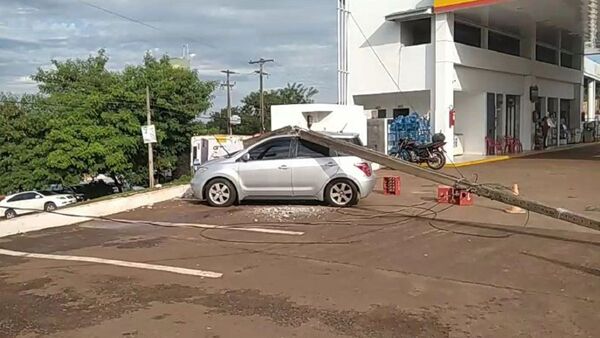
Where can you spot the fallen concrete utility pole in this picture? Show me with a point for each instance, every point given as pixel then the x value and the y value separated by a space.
pixel 441 178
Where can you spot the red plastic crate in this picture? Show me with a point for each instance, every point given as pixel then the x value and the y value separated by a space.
pixel 463 198
pixel 445 194
pixel 391 186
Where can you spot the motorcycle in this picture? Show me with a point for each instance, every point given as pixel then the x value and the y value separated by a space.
pixel 431 153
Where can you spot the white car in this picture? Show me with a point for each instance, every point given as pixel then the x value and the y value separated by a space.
pixel 32 201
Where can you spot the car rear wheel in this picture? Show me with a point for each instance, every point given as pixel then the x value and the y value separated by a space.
pixel 220 193
pixel 49 207
pixel 341 194
pixel 10 213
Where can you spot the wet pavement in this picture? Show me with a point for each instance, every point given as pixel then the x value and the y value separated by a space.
pixel 400 266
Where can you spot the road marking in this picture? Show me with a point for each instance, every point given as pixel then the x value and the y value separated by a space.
pixel 208 226
pixel 172 269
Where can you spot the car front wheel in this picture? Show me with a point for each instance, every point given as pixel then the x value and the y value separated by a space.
pixel 220 193
pixel 341 194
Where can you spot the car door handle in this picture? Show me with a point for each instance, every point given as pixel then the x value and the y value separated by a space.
pixel 283 167
pixel 331 164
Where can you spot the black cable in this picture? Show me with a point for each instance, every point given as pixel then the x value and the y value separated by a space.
pixel 124 17
pixel 505 235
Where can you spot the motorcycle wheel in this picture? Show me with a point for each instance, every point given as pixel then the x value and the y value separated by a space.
pixel 405 155
pixel 437 160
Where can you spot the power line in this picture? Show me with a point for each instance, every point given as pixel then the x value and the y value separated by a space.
pixel 124 17
pixel 140 22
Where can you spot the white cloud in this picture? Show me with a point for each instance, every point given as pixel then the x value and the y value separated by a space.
pixel 224 34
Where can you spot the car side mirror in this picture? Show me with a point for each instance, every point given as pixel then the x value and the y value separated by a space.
pixel 246 157
pixel 38 196
pixel 197 162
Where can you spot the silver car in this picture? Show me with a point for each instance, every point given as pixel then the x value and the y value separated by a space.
pixel 285 167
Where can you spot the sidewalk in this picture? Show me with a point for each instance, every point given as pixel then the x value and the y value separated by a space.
pixel 468 160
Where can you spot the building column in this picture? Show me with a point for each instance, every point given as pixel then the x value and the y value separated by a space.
pixel 591 100
pixel 442 93
pixel 527 129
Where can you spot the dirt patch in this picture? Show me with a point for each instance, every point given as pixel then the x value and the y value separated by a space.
pixel 64 239
pixel 284 213
pixel 24 312
pixel 135 243
pixel 377 322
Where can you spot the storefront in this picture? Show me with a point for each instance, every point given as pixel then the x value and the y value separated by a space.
pixel 489 71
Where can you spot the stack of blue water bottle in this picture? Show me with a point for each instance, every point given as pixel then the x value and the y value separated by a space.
pixel 412 127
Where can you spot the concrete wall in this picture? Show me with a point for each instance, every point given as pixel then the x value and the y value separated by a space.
pixel 416 101
pixel 407 65
pixel 326 117
pixel 471 121
pixel 112 206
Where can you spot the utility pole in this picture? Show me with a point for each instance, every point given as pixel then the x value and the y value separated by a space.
pixel 229 85
pixel 150 154
pixel 262 73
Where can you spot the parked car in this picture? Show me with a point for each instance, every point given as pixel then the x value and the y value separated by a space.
pixel 32 201
pixel 286 167
pixel 76 191
pixel 96 189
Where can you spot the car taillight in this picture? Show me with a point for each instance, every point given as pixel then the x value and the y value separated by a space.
pixel 365 168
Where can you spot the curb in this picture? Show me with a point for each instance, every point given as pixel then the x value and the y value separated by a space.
pixel 476 162
pixel 524 154
pixel 41 221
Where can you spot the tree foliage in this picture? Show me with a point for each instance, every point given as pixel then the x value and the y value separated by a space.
pixel 249 111
pixel 87 121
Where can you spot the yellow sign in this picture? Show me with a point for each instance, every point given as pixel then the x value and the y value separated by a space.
pixel 450 5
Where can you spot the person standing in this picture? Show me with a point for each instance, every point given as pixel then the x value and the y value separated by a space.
pixel 545 129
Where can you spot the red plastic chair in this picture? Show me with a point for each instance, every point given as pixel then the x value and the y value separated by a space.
pixel 509 145
pixel 493 147
pixel 518 146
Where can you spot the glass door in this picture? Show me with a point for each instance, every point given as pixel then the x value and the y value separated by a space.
pixel 513 116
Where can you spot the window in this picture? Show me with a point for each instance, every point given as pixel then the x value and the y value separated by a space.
pixel 566 60
pixel 504 44
pixel 194 152
pixel 546 54
pixel 382 113
pixel 16 198
pixel 273 150
pixel 355 140
pixel 467 34
pixel 23 197
pixel 401 112
pixel 416 32
pixel 311 150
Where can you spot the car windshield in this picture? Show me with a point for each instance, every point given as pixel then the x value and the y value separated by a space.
pixel 47 193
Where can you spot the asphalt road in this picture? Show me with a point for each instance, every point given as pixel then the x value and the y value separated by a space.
pixel 399 266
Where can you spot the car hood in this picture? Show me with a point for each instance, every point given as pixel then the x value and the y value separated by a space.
pixel 216 161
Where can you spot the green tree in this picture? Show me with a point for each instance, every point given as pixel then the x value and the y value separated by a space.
pixel 249 111
pixel 87 121
pixel 22 159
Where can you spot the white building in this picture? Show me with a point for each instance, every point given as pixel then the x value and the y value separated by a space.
pixel 321 117
pixel 484 59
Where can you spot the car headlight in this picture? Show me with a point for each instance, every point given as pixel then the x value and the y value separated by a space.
pixel 62 198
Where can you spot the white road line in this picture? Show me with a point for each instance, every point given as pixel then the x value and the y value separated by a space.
pixel 209 226
pixel 181 271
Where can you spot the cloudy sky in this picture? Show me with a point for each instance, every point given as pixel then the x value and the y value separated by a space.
pixel 299 34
